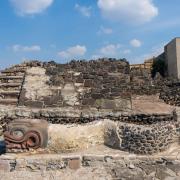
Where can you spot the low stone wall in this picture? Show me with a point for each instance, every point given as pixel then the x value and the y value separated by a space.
pixel 80 116
pixel 140 139
pixel 89 166
pixel 146 119
pixel 73 129
pixel 152 136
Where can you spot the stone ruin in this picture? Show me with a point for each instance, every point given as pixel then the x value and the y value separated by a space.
pixel 47 107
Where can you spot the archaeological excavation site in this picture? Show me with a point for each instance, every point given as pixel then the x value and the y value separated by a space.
pixel 97 119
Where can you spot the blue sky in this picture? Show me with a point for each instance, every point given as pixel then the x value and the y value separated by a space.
pixel 62 30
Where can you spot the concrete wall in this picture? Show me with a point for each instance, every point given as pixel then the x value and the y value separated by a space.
pixel 172 52
pixel 178 56
pixel 171 57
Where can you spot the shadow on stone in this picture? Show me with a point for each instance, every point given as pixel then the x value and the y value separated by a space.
pixel 2 147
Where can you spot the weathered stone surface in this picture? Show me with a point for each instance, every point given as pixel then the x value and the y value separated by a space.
pixel 63 138
pixel 35 84
pixel 69 94
pixel 4 166
pixel 110 135
pixel 74 163
pixel 89 166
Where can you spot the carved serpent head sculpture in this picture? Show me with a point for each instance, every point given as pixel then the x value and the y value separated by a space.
pixel 26 134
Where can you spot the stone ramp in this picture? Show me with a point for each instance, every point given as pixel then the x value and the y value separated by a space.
pixel 11 81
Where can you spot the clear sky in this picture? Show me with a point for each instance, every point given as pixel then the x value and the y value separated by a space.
pixel 62 30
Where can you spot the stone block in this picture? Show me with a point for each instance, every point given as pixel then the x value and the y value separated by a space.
pixel 74 163
pixel 88 83
pixel 97 95
pixel 89 101
pixel 50 100
pixel 110 134
pixel 35 104
pixel 79 80
pixel 5 166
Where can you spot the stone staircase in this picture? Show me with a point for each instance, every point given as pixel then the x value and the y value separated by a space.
pixel 11 81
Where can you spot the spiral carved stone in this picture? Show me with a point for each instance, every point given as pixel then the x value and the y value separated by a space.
pixel 23 135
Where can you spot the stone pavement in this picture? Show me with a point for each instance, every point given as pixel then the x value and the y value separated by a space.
pixel 98 163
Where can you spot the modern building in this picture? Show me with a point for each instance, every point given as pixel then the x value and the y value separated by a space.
pixel 172 54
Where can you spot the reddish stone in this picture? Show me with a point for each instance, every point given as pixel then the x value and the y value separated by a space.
pixel 74 164
pixel 5 166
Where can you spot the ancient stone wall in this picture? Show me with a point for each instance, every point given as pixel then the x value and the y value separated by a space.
pixel 142 83
pixel 101 84
pixel 77 116
pixel 71 129
pixel 154 134
pixel 152 139
pixel 96 84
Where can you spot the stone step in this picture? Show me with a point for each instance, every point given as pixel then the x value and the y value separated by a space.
pixel 9 94
pixel 9 101
pixel 10 84
pixel 22 70
pixel 13 73
pixel 2 88
pixel 11 77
